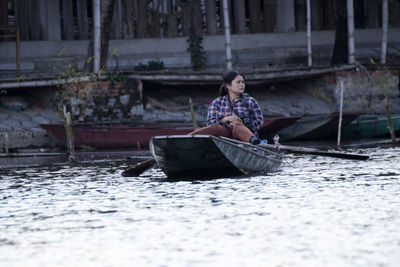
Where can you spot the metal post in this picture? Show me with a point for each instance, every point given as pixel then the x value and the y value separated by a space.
pixel 350 25
pixel 385 16
pixel 309 49
pixel 228 51
pixel 96 36
pixel 17 38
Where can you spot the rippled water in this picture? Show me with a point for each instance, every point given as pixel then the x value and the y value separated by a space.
pixel 316 211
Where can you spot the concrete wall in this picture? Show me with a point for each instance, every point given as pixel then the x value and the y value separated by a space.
pixel 251 49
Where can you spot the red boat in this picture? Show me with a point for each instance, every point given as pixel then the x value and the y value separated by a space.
pixel 108 136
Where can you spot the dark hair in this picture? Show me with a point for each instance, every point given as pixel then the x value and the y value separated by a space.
pixel 227 79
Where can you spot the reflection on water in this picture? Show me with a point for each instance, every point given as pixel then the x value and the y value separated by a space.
pixel 316 211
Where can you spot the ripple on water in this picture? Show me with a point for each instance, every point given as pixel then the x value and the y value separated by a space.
pixel 315 211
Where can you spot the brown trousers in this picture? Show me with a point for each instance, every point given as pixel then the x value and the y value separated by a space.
pixel 236 131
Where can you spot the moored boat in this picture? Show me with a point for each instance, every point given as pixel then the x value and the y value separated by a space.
pixel 315 127
pixel 273 124
pixel 106 136
pixel 205 156
pixel 368 126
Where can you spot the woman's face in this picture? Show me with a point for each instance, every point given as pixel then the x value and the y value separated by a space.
pixel 237 86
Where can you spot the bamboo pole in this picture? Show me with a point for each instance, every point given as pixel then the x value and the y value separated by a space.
pixel 228 51
pixel 309 48
pixel 17 38
pixel 350 25
pixel 385 16
pixel 340 114
pixel 69 136
pixel 96 36
pixel 6 143
pixel 389 118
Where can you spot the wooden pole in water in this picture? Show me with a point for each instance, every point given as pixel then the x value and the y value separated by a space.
pixel 69 136
pixel 340 114
pixel 389 118
pixel 6 143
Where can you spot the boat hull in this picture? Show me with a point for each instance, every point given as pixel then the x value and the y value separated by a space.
pixel 272 125
pixel 370 126
pixel 315 127
pixel 203 156
pixel 115 136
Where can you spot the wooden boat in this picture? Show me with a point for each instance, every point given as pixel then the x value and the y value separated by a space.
pixel 370 126
pixel 315 127
pixel 106 136
pixel 273 124
pixel 205 156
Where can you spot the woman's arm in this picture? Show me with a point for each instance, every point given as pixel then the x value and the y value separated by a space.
pixel 212 115
pixel 255 114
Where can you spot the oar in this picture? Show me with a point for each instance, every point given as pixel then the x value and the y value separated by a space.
pixel 139 168
pixel 313 151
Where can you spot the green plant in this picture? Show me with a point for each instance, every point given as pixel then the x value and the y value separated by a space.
pixel 76 87
pixel 197 55
pixel 115 77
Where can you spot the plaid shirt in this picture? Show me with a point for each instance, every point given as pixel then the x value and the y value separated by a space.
pixel 245 106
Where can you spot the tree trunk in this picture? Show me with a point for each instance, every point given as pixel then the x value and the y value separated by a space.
pixel 141 22
pixel 211 17
pixel 269 15
pixel 255 15
pixel 340 50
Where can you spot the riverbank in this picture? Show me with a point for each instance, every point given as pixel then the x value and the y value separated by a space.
pixel 22 110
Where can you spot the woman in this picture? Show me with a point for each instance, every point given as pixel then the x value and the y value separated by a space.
pixel 234 114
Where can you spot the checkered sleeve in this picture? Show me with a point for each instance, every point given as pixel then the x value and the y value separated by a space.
pixel 212 116
pixel 256 115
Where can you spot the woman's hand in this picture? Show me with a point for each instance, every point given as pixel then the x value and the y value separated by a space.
pixel 231 119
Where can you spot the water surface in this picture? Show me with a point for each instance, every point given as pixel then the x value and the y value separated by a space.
pixel 315 211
